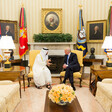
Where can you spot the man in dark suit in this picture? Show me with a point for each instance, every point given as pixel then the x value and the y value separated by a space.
pixel 7 32
pixel 97 35
pixel 70 65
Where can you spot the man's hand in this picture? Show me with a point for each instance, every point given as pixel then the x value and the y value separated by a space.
pixel 48 62
pixel 64 66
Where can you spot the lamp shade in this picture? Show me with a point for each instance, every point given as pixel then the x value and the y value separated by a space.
pixel 107 44
pixel 6 42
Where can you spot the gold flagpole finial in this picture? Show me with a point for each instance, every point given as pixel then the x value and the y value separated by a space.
pixel 22 5
pixel 111 2
pixel 80 6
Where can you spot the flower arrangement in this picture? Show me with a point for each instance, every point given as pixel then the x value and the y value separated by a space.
pixel 61 94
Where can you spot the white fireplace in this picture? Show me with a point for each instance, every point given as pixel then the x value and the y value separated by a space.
pixel 55 48
pixel 56 52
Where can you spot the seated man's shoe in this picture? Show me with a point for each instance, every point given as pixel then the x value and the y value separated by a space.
pixel 74 88
pixel 38 87
pixel 64 81
pixel 48 86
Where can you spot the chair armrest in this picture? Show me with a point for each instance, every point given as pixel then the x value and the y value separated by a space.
pixel 107 80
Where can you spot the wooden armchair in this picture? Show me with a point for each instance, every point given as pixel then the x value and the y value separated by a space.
pixel 76 74
pixel 32 56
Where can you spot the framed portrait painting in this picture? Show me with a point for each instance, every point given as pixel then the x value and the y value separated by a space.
pixel 96 31
pixel 9 28
pixel 51 20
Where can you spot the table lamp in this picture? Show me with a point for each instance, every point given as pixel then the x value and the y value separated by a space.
pixel 7 43
pixel 107 44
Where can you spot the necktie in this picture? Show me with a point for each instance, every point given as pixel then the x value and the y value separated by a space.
pixel 67 59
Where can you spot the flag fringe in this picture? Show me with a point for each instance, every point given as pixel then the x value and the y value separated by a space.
pixel 23 54
pixel 85 54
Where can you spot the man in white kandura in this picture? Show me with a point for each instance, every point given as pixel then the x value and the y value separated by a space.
pixel 42 75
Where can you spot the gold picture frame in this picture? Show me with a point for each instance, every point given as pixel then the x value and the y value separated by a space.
pixel 96 30
pixel 51 20
pixel 12 26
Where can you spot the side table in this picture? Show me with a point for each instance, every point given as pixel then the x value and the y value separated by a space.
pixel 15 62
pixel 97 70
pixel 89 62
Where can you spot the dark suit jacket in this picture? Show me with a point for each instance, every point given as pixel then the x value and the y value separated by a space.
pixel 97 36
pixel 9 34
pixel 73 62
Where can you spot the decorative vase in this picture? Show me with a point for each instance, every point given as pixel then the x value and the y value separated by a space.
pixel 61 94
pixel 62 103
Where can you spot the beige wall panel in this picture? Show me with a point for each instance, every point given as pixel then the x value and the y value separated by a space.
pixel 92 10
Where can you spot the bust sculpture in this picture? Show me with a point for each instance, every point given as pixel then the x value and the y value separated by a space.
pixel 92 56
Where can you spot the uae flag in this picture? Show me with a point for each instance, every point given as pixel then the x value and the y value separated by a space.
pixel 109 24
pixel 23 48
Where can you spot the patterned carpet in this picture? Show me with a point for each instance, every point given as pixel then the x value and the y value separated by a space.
pixel 33 99
pixel 55 81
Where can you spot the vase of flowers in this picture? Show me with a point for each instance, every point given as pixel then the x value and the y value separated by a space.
pixel 62 94
pixel 62 103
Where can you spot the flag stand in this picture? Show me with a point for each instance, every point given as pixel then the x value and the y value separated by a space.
pixel 25 62
pixel 24 57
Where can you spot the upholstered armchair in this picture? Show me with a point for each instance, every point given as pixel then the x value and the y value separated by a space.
pixel 76 74
pixel 104 94
pixel 9 95
pixel 32 56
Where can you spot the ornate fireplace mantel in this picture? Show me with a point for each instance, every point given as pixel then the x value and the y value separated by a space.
pixel 57 47
pixel 47 44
